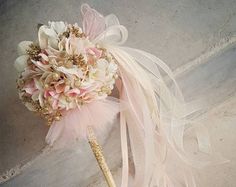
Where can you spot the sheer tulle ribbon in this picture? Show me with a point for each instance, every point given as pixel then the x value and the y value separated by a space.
pixel 74 123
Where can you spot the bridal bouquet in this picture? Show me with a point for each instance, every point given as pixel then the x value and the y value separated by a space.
pixel 68 74
pixel 63 70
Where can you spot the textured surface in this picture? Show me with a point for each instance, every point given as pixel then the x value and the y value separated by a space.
pixel 179 32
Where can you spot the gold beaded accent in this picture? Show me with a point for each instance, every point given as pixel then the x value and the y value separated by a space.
pixel 77 60
pixel 77 32
pixel 78 83
pixel 56 76
pixel 34 51
pixel 43 111
pixel 97 151
pixel 66 34
pixel 73 30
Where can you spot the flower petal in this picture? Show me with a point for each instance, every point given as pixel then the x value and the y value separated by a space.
pixel 60 88
pixel 21 63
pixel 71 71
pixel 44 57
pixel 23 46
pixel 73 92
pixel 30 106
pixel 102 64
pixel 42 37
pixel 58 26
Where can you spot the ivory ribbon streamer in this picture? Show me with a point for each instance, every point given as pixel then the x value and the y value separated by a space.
pixel 155 119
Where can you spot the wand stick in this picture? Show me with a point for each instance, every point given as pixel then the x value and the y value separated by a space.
pixel 97 151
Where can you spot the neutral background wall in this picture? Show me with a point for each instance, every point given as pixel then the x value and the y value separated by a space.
pixel 195 38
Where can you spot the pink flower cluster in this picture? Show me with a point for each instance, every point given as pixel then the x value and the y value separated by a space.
pixel 63 70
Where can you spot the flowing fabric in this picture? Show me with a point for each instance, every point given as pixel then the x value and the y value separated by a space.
pixel 154 119
pixel 74 123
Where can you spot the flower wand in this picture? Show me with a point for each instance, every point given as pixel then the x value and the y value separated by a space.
pixel 67 76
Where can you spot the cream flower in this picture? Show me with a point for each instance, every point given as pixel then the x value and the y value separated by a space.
pixel 76 45
pixel 71 71
pixel 49 35
pixel 21 61
pixel 104 70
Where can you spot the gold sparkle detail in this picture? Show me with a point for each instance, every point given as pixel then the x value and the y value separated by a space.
pixel 97 151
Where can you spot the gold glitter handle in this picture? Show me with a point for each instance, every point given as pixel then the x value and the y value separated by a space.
pixel 97 151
